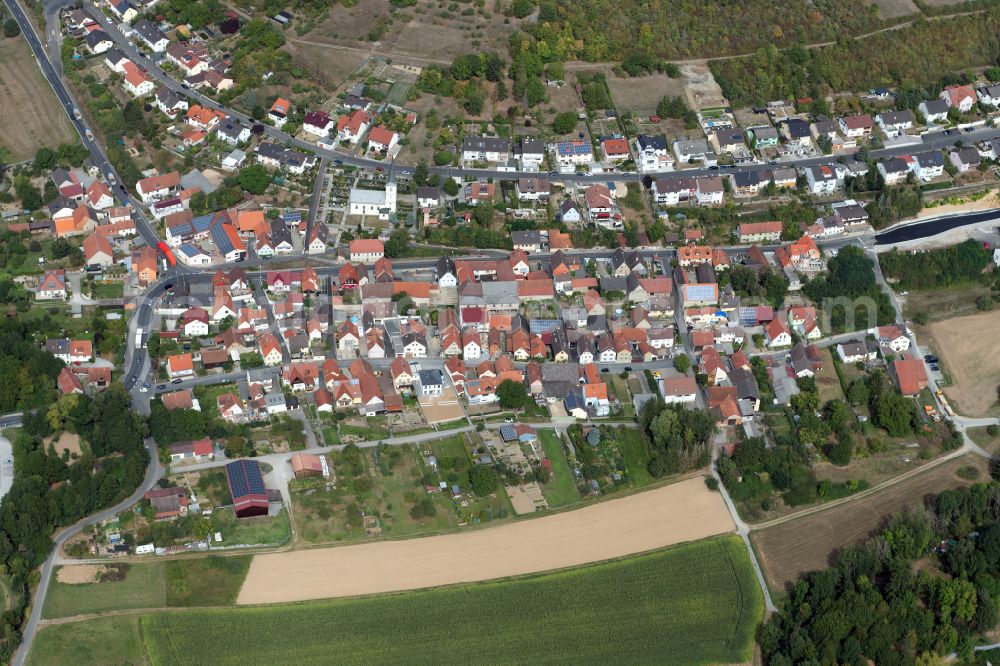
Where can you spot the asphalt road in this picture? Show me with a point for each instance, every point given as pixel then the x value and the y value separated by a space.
pixel 917 230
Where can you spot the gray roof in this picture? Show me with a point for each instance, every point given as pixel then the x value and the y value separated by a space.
pixel 746 385
pixel 896 117
pixel 894 165
pixel 271 150
pixel 929 159
pixel 96 37
pixel 526 237
pixel 729 137
pixel 168 97
pixel 797 128
pixel 485 144
pixel 280 233
pixel 764 132
pixel 529 146
pixel 690 147
pixel 613 284
pixel 114 55
pixel 445 266
pixel 936 106
pixel 500 292
pixel 149 32
pixel 231 127
pixel 653 141
pixel 431 377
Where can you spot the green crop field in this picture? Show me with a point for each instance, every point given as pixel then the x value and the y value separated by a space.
pixel 106 640
pixel 142 587
pixel 697 603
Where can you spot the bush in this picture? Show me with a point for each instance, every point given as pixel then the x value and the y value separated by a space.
pixel 840 453
pixel 483 480
pixel 522 8
pixel 564 123
pixel 968 472
pixel 443 157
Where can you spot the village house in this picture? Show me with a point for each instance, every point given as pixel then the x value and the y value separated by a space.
pixel 961 97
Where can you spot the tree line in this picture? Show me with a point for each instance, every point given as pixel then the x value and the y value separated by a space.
pixel 935 269
pixel 920 54
pixel 603 30
pixel 51 490
pixel 875 606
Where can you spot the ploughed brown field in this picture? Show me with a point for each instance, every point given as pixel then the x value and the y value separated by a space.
pixel 808 543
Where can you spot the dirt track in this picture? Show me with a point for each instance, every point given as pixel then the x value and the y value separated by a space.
pixel 684 511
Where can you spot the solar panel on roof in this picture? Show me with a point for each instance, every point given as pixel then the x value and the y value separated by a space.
pixel 245 479
pixel 221 238
pixel 543 325
pixel 508 433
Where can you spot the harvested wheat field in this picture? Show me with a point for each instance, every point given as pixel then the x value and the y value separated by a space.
pixel 968 355
pixel 808 543
pixel 21 87
pixel 684 511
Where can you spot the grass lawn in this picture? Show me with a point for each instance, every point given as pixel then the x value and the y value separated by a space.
pixel 980 436
pixel 142 587
pixel 698 603
pixel 107 290
pixel 827 382
pixel 937 304
pixel 331 436
pixel 635 451
pixel 263 530
pixel 618 388
pixel 561 488
pixel 106 640
pixel 208 394
pixel 374 428
pixel 205 581
pixel 450 447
